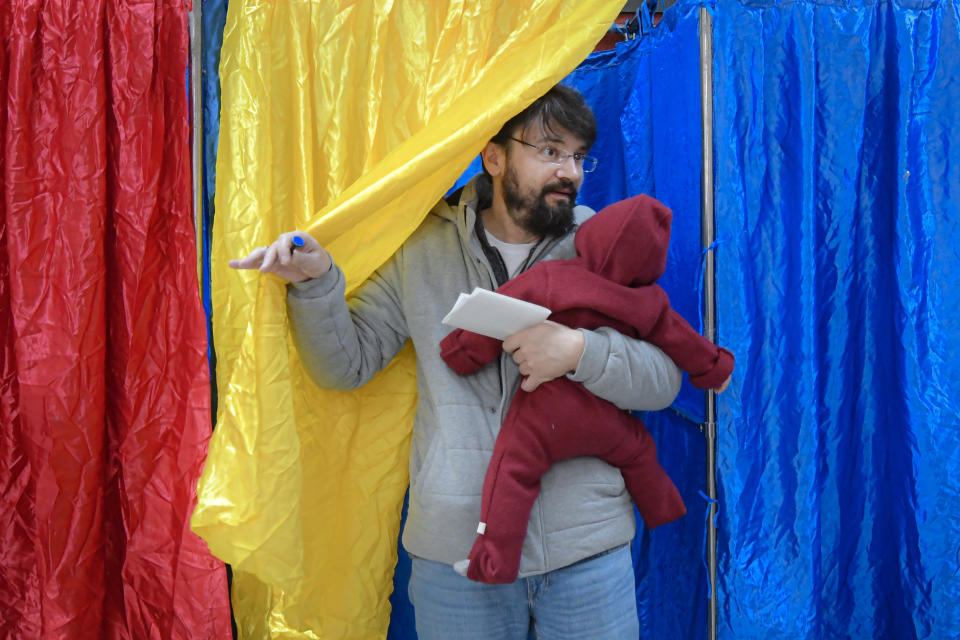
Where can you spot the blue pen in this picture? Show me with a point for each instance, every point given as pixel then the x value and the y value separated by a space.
pixel 297 242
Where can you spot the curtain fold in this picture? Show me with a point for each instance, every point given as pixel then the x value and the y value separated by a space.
pixel 104 397
pixel 350 120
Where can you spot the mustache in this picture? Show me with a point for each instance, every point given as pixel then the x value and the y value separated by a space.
pixel 560 185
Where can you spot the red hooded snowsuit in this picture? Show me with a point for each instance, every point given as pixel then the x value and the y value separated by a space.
pixel 620 251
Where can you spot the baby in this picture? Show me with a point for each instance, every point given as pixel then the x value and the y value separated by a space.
pixel 621 252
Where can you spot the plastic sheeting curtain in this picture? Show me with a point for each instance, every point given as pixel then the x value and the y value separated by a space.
pixel 213 14
pixel 837 174
pixel 836 153
pixel 350 120
pixel 104 396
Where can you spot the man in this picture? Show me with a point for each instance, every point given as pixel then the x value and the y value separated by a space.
pixel 576 576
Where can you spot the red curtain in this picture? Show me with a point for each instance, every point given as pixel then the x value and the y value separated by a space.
pixel 104 384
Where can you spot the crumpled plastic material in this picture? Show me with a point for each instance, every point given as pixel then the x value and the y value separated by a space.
pixel 349 120
pixel 104 390
pixel 838 168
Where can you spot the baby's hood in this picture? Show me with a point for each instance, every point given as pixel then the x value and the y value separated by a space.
pixel 627 241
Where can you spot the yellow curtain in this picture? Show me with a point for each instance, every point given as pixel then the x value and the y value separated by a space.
pixel 347 119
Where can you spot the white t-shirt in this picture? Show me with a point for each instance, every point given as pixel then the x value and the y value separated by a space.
pixel 514 255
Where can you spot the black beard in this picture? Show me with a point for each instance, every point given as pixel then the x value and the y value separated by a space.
pixel 541 219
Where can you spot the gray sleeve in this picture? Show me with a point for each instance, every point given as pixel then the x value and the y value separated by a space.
pixel 628 372
pixel 343 343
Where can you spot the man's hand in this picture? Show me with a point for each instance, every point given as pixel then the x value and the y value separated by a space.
pixel 544 352
pixel 293 263
pixel 723 387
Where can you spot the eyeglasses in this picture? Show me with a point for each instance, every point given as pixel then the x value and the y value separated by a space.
pixel 552 155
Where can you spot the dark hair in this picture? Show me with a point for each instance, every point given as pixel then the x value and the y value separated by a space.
pixel 562 107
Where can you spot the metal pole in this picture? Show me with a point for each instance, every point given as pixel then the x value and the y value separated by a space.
pixel 196 104
pixel 709 302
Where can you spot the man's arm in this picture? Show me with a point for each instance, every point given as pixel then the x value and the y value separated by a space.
pixel 630 373
pixel 341 344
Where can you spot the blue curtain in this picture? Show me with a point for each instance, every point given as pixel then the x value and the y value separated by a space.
pixel 213 18
pixel 838 174
pixel 836 157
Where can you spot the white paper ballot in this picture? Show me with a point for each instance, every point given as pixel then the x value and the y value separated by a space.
pixel 493 314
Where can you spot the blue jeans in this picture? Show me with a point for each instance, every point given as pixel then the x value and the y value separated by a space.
pixel 593 598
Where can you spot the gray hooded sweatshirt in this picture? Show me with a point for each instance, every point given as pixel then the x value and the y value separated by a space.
pixel 583 508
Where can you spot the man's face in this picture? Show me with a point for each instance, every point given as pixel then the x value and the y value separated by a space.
pixel 540 195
